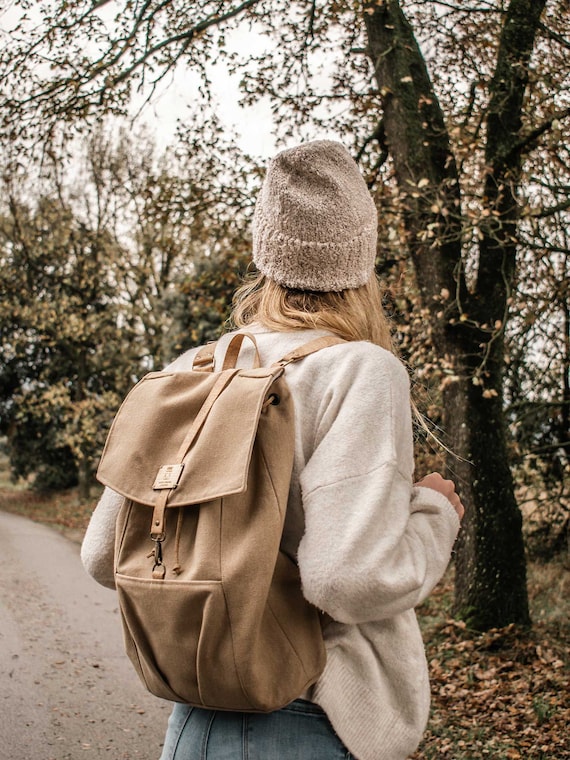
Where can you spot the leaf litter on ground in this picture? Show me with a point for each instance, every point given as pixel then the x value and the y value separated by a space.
pixel 502 694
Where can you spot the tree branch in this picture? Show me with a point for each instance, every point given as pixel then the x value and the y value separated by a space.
pixel 187 37
pixel 312 16
pixel 75 87
pixel 530 139
pixel 418 142
pixel 551 210
pixel 497 249
pixel 554 35
pixel 378 134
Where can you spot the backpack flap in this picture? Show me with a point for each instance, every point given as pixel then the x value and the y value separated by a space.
pixel 151 426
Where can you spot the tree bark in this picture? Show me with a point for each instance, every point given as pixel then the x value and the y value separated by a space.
pixel 85 479
pixel 468 329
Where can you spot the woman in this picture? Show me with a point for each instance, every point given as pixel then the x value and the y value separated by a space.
pixel 370 544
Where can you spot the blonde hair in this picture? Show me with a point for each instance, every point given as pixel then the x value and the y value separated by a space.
pixel 352 314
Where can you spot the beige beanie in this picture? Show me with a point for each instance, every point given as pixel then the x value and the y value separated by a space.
pixel 315 223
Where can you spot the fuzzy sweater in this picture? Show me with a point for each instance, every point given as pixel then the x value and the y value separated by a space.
pixel 370 546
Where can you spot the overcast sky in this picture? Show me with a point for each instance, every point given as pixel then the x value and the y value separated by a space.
pixel 253 124
pixel 176 94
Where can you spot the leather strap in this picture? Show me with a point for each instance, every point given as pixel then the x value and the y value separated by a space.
pixel 223 379
pixel 233 349
pixel 204 359
pixel 309 348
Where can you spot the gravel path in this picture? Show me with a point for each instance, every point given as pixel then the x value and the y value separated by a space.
pixel 67 690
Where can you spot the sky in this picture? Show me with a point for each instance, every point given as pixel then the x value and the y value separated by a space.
pixel 172 101
pixel 253 124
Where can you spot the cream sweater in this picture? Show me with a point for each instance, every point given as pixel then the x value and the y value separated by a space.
pixel 370 547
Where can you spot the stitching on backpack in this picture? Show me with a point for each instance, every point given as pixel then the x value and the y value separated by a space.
pixel 238 673
pixel 270 608
pixel 268 473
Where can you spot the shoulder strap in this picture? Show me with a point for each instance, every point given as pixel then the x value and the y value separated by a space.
pixel 234 347
pixel 204 359
pixel 309 348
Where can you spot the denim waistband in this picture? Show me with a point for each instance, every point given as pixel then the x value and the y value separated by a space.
pixel 304 706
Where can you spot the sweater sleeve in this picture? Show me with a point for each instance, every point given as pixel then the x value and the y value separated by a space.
pixel 373 545
pixel 98 547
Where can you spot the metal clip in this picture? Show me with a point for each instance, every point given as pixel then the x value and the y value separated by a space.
pixel 158 569
pixel 157 551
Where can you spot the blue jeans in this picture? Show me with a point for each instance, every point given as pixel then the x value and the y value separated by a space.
pixel 300 731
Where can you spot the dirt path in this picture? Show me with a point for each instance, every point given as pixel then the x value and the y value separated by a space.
pixel 67 690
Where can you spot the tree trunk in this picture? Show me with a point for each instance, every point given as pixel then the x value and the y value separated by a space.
pixel 563 423
pixel 85 479
pixel 491 569
pixel 490 586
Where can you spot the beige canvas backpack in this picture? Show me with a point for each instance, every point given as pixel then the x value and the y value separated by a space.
pixel 212 609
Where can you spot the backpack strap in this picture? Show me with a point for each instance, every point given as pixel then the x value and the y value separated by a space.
pixel 233 349
pixel 204 359
pixel 309 348
pixel 170 473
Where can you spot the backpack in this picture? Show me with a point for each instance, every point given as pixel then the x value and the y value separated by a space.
pixel 212 610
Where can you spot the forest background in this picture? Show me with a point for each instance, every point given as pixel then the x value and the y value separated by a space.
pixel 120 245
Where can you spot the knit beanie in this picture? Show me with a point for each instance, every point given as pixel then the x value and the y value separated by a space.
pixel 315 223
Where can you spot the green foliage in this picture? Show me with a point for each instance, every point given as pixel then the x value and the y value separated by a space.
pixel 202 305
pixel 34 451
pixel 56 310
pixel 104 278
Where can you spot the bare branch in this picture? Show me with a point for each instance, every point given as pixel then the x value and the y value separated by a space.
pixel 555 36
pixel 470 104
pixel 92 83
pixel 460 8
pixel 312 16
pixel 551 210
pixel 530 139
pixel 378 134
pixel 186 36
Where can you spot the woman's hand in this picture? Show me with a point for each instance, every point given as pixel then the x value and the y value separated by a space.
pixel 446 487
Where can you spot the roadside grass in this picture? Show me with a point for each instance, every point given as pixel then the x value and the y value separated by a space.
pixel 499 695
pixel 62 509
